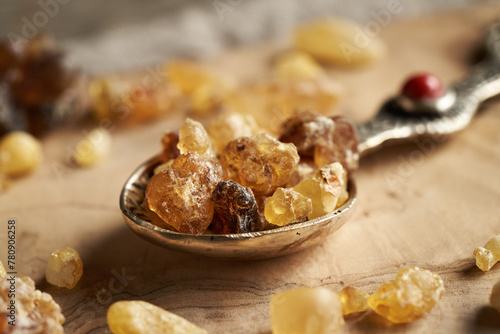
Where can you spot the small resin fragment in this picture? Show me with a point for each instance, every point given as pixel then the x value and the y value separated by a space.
pixel 180 195
pixel 341 147
pixel 271 102
pixel 194 138
pixel 306 311
pixel 20 153
pixel 353 300
pixel 169 143
pixel 297 65
pixel 338 42
pixel 326 187
pixel 35 311
pixel 65 268
pixel 3 273
pixel 413 292
pixel 138 317
pixel 235 209
pixel 287 206
pixel 93 148
pixel 487 256
pixel 230 126
pixel 261 162
pixel 495 296
pixel 130 100
pixel 203 87
pixel 305 130
pixel 485 259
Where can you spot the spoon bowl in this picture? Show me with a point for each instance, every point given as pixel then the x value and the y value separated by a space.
pixel 254 245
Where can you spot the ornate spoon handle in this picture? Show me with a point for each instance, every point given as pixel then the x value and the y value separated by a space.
pixel 401 120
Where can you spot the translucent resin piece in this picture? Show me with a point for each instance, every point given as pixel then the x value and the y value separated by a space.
pixel 65 268
pixel 338 42
pixel 413 292
pixel 297 65
pixel 20 153
pixel 138 317
pixel 353 300
pixel 306 311
pixel 180 195
pixel 326 187
pixel 230 126
pixel 194 138
pixel 487 256
pixel 261 162
pixel 287 206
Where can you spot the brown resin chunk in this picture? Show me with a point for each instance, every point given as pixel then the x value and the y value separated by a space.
pixel 235 209
pixel 261 162
pixel 180 195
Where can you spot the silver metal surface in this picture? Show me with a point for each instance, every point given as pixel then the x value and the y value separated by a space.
pixel 392 124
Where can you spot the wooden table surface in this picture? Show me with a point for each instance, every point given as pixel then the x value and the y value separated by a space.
pixel 426 204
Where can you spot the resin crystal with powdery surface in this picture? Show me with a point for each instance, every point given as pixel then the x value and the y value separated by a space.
pixel 180 194
pixel 261 162
pixel 326 187
pixel 413 292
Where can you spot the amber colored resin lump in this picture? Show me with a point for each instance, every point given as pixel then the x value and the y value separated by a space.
pixel 287 206
pixel 36 311
pixel 487 256
pixel 261 162
pixel 306 311
pixel 353 300
pixel 65 268
pixel 413 292
pixel 138 317
pixel 326 140
pixel 326 187
pixel 180 195
pixel 194 138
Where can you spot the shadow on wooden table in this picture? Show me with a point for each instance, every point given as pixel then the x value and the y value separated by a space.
pixel 121 266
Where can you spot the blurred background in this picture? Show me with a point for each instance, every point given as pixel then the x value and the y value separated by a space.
pixel 109 36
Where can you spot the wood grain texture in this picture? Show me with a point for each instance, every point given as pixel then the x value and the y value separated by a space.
pixel 426 203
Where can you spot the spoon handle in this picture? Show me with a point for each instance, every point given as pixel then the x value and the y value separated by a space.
pixel 395 123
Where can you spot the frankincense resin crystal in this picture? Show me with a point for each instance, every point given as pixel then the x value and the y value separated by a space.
pixel 413 292
pixel 194 138
pixel 353 300
pixel 495 296
pixel 180 194
pixel 261 162
pixel 297 65
pixel 326 187
pixel 305 130
pixel 235 209
pixel 35 311
pixel 306 311
pixel 65 268
pixel 487 256
pixel 230 126
pixel 341 147
pixel 138 317
pixel 20 153
pixel 287 206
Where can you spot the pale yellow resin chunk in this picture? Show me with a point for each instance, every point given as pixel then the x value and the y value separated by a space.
pixel 93 148
pixel 413 292
pixel 487 256
pixel 20 153
pixel 65 268
pixel 138 317
pixel 287 206
pixel 338 42
pixel 353 300
pixel 326 187
pixel 306 311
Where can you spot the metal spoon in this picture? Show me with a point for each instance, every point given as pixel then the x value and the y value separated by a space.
pixel 398 120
